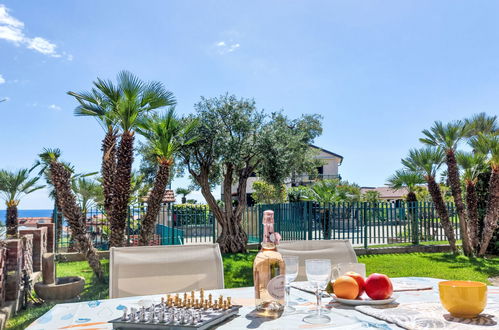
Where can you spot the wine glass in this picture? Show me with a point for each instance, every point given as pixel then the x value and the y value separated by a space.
pixel 318 274
pixel 291 263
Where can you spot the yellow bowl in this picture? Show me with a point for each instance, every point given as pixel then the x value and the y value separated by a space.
pixel 464 299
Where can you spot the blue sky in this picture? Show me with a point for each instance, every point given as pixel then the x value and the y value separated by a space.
pixel 378 71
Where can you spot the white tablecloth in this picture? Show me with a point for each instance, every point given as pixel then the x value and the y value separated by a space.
pixel 93 315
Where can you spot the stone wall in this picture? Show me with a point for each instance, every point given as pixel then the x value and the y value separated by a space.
pixel 13 269
pixel 27 246
pixel 50 235
pixel 39 245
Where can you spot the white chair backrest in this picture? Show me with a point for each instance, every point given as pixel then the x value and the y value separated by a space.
pixel 338 251
pixel 138 271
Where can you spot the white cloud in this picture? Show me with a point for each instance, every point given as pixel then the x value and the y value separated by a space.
pixel 2 79
pixel 43 46
pixel 54 107
pixel 226 47
pixel 12 30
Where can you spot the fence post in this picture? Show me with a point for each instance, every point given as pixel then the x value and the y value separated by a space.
pixel 415 223
pixel 56 228
pixel 127 233
pixel 308 212
pixel 364 216
pixel 214 221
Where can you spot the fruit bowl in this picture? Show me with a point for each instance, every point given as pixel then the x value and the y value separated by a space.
pixel 365 300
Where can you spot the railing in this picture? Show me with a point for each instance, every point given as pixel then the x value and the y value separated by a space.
pixel 362 223
pixel 304 180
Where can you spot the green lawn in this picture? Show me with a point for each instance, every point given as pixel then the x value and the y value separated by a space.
pixel 238 273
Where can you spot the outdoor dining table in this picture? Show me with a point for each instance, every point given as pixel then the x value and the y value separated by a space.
pixel 419 309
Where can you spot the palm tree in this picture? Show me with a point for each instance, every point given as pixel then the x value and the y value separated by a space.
pixel 472 164
pixel 166 136
pixel 88 192
pixel 13 187
pixel 489 143
pixel 184 192
pixel 427 161
pixel 406 179
pixel 96 103
pixel 61 178
pixel 481 123
pixel 122 105
pixel 447 137
pixel 410 180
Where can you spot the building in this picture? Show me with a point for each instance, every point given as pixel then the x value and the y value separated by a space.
pixel 329 170
pixel 387 194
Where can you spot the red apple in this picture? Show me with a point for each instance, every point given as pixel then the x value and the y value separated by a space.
pixel 378 287
pixel 360 281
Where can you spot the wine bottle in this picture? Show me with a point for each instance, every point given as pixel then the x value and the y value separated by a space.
pixel 269 271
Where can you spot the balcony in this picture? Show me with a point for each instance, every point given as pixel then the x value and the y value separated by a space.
pixel 305 180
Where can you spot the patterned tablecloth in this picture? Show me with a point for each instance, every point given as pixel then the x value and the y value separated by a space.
pixel 413 310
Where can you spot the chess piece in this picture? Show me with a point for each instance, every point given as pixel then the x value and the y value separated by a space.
pixel 228 302
pixel 125 316
pixel 210 299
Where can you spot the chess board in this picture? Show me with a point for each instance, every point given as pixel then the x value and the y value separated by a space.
pixel 175 313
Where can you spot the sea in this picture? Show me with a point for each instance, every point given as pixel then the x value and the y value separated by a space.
pixel 27 214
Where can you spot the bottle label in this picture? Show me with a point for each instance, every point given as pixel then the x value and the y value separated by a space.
pixel 275 287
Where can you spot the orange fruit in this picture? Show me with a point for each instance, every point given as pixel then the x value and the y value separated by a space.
pixel 346 287
pixel 360 281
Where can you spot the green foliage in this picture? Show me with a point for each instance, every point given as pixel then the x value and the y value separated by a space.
pixel 334 190
pixel 266 193
pixel 191 214
pixel 15 185
pixel 234 134
pixel 405 179
pixel 371 196
pixel 122 104
pixel 88 192
pixel 426 160
pixel 183 191
pixel 165 134
pixel 297 194
pixel 445 136
pixel 422 194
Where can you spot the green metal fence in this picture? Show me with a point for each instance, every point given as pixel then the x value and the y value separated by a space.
pixel 362 223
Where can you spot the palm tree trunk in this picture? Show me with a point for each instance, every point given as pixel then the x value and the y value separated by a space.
pixel 455 185
pixel 108 168
pixel 491 221
pixel 61 179
pixel 154 202
pixel 12 220
pixel 472 203
pixel 121 194
pixel 436 195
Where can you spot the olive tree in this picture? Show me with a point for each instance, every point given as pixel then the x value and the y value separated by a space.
pixel 235 141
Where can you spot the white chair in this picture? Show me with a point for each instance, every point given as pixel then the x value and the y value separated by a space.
pixel 138 271
pixel 338 251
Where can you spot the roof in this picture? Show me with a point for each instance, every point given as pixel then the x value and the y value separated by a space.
pixel 387 192
pixel 168 197
pixel 327 151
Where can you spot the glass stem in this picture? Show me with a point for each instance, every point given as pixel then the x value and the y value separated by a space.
pixel 288 289
pixel 319 302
